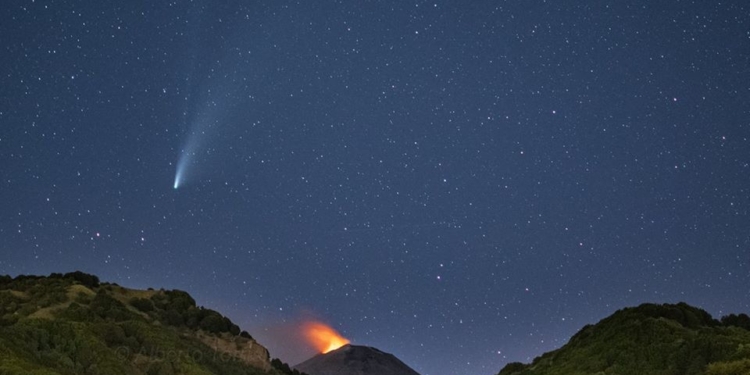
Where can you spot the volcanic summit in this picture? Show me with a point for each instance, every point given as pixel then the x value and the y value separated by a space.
pixel 355 360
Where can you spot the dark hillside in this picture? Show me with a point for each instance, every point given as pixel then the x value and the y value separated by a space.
pixel 74 324
pixel 650 339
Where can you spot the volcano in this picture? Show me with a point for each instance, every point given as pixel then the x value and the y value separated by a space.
pixel 355 360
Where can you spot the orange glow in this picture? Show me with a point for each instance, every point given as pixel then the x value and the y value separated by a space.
pixel 323 337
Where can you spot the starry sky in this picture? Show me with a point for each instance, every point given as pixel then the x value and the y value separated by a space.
pixel 460 183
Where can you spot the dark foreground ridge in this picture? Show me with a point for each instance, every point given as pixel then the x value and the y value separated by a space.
pixel 355 360
pixel 69 324
pixel 651 340
pixel 73 324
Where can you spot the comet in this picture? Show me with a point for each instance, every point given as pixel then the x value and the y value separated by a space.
pixel 322 337
pixel 188 155
pixel 178 174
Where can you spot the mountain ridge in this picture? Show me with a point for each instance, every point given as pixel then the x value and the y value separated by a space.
pixel 73 324
pixel 666 339
pixel 65 324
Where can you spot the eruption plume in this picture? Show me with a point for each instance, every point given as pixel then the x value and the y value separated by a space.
pixel 322 337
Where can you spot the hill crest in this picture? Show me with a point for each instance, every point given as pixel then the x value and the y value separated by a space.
pixel 72 323
pixel 650 339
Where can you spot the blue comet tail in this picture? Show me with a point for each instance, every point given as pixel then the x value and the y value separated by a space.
pixel 178 174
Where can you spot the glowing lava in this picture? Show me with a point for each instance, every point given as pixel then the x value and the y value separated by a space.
pixel 323 337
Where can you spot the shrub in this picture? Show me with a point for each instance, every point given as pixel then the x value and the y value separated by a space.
pixel 214 323
pixel 77 313
pixel 741 320
pixel 85 279
pixel 179 300
pixel 109 308
pixel 233 328
pixel 512 368
pixel 729 368
pixel 142 304
pixel 172 318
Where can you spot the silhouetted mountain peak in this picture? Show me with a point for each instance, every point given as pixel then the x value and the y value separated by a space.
pixel 355 360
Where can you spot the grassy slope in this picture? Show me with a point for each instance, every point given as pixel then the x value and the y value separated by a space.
pixel 649 340
pixel 58 325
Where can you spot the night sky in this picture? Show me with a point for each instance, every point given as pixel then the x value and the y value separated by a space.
pixel 460 183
